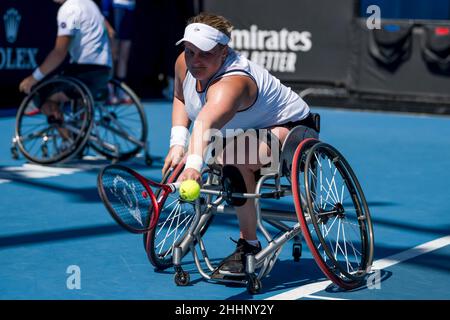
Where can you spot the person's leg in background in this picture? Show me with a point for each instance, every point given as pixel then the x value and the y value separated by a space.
pixel 122 61
pixel 123 18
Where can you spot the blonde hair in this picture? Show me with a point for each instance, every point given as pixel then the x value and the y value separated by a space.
pixel 218 22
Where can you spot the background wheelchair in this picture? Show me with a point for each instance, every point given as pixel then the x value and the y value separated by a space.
pixel 116 130
pixel 330 212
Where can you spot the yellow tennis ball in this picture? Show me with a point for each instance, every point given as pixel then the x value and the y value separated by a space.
pixel 189 190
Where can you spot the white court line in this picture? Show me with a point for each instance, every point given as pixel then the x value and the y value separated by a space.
pixel 309 289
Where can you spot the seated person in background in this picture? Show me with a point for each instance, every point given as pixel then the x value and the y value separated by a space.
pixel 84 34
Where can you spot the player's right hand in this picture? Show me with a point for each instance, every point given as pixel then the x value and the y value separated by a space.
pixel 175 155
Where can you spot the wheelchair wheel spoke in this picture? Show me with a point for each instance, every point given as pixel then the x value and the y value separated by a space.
pixel 26 135
pixel 163 241
pixel 346 253
pixel 323 202
pixel 32 142
pixel 170 217
pixel 33 128
pixel 332 192
pixel 122 125
pixel 162 224
pixel 333 180
pixel 188 218
pixel 77 114
pixel 172 227
pixel 173 224
pixel 341 245
pixel 175 229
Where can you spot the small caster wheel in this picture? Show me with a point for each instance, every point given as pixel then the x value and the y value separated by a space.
pixel 148 160
pixel 182 278
pixel 297 251
pixel 253 284
pixel 14 153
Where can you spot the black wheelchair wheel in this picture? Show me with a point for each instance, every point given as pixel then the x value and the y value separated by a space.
pixel 333 214
pixel 172 226
pixel 49 132
pixel 120 124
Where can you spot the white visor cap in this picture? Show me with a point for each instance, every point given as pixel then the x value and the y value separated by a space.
pixel 203 36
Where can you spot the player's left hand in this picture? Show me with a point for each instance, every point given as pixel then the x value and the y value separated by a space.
pixel 190 174
pixel 27 83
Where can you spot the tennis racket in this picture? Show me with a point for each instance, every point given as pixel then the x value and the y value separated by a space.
pixel 132 200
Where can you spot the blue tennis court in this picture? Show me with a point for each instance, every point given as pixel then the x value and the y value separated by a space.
pixel 54 225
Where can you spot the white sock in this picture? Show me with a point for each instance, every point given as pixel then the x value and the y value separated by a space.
pixel 254 243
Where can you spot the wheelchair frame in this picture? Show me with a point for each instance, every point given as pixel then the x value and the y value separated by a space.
pixel 90 137
pixel 266 258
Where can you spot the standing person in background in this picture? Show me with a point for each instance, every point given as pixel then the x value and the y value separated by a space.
pixel 123 21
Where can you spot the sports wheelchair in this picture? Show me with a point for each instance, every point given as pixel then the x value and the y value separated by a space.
pixel 114 129
pixel 330 212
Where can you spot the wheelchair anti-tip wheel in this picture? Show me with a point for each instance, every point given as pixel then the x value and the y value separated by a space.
pixel 120 124
pixel 174 221
pixel 182 278
pixel 48 131
pixel 333 213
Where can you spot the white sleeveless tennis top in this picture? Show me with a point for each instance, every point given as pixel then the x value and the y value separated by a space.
pixel 276 104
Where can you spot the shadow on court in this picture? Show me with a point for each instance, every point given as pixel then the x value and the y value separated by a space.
pixel 34 238
pixel 76 194
pixel 383 276
pixel 282 269
pixel 285 275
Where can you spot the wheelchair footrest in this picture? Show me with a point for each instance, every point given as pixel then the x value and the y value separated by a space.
pixel 238 278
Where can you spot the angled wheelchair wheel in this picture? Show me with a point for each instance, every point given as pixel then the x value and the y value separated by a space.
pixel 174 222
pixel 54 121
pixel 120 125
pixel 333 213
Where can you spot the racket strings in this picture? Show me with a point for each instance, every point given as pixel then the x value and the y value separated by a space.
pixel 129 199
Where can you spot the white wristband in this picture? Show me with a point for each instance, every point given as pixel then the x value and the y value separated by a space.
pixel 38 75
pixel 179 135
pixel 194 161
